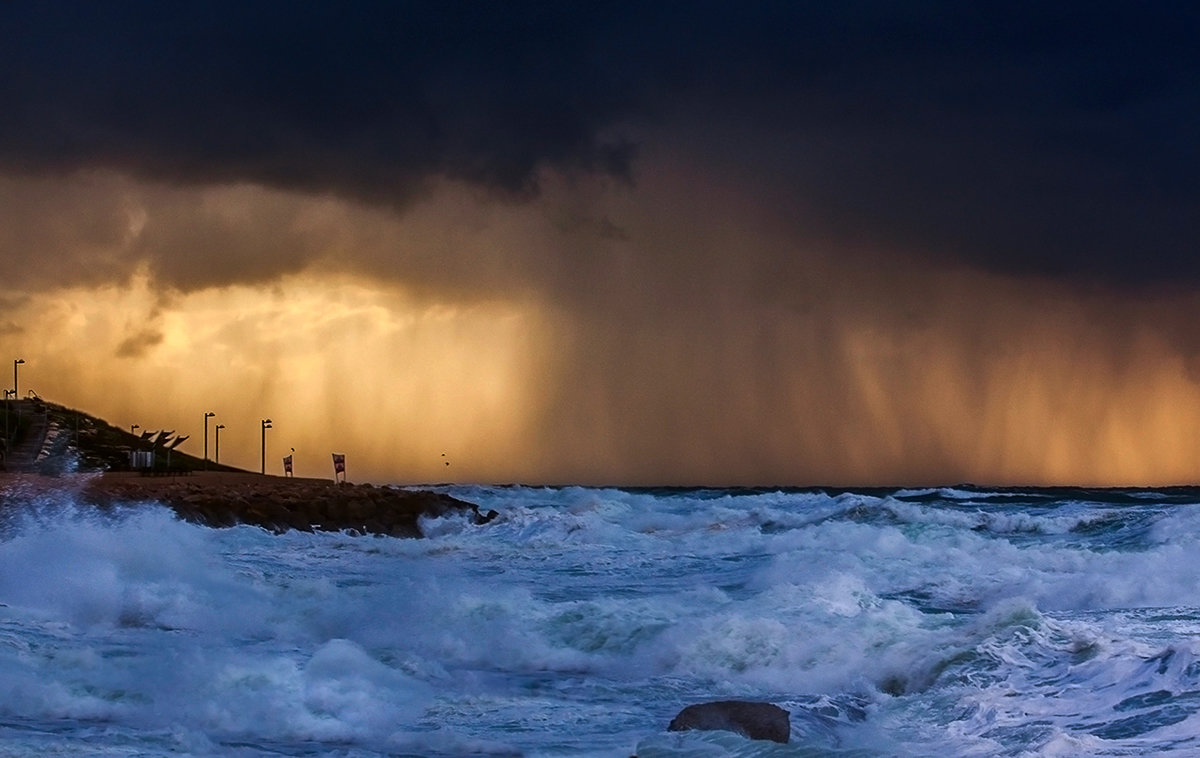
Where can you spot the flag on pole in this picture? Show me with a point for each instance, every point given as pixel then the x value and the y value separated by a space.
pixel 287 465
pixel 339 466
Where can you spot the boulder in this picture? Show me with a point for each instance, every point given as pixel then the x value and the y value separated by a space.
pixel 758 721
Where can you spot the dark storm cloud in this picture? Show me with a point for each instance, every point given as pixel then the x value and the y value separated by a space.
pixel 367 99
pixel 137 345
pixel 1049 139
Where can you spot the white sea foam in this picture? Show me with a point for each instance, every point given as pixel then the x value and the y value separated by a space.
pixel 580 621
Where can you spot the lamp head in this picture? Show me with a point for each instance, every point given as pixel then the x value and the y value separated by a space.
pixel 19 360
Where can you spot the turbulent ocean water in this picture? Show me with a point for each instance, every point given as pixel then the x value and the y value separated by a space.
pixel 948 622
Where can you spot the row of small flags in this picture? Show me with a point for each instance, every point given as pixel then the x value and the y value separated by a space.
pixel 339 465
pixel 164 438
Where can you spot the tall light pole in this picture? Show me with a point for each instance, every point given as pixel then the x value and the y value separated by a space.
pixel 207 416
pixel 266 424
pixel 217 430
pixel 8 411
pixel 133 428
pixel 17 362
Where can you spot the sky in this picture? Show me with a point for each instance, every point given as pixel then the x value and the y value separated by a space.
pixel 694 243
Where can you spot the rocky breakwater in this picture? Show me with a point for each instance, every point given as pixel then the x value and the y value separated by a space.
pixel 280 504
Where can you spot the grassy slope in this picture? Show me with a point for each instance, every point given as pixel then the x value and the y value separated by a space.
pixel 96 445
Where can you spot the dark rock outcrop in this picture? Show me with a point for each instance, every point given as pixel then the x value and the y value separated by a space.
pixel 758 721
pixel 280 504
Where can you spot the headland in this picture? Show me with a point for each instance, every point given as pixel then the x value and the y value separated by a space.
pixel 73 457
pixel 226 499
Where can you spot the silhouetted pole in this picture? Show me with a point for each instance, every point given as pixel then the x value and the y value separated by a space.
pixel 207 416
pixel 217 430
pixel 266 424
pixel 17 362
pixel 133 428
pixel 8 411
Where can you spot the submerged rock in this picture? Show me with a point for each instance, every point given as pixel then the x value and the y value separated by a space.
pixel 758 721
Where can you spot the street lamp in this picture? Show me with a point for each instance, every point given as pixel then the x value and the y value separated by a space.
pixel 266 424
pixel 17 362
pixel 207 416
pixel 217 430
pixel 8 411
pixel 133 428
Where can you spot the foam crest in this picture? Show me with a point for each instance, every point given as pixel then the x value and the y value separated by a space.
pixel 580 621
pixel 139 567
pixel 340 694
pixel 1082 690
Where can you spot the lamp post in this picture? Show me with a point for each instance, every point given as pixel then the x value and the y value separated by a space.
pixel 133 428
pixel 207 416
pixel 266 424
pixel 17 362
pixel 217 431
pixel 7 412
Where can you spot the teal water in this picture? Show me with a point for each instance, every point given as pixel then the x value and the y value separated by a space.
pixel 888 622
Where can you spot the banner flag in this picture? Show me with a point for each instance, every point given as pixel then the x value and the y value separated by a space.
pixel 287 464
pixel 339 463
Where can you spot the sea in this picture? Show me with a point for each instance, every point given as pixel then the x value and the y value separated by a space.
pixel 959 621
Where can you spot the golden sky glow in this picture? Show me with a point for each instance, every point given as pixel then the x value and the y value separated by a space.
pixel 781 243
pixel 691 342
pixel 336 364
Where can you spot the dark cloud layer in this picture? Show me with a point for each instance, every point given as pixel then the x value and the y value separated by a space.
pixel 1029 138
pixel 367 99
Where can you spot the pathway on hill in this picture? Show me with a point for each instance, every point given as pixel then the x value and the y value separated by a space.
pixel 24 455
